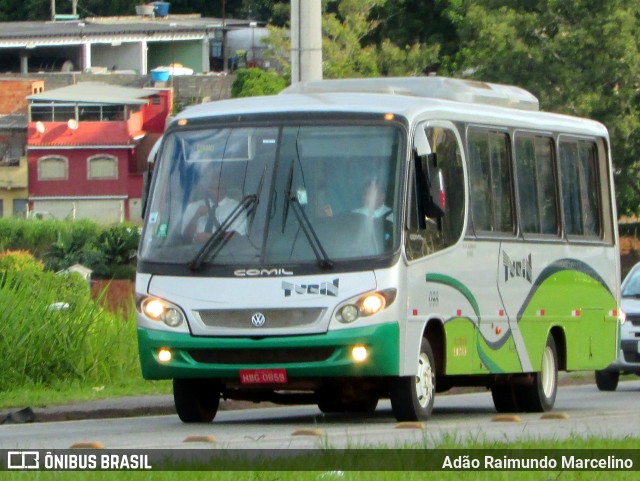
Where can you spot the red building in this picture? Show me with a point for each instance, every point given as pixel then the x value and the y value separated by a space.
pixel 87 149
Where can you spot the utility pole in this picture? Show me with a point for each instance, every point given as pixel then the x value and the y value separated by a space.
pixel 306 40
pixel 225 58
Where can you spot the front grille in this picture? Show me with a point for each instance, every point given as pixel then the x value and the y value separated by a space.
pixel 261 356
pixel 274 318
pixel 634 319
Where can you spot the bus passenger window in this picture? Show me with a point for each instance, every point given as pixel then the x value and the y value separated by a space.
pixel 490 181
pixel 438 233
pixel 536 184
pixel 580 200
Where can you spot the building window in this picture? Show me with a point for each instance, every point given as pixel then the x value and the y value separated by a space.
pixel 53 167
pixel 20 207
pixel 102 167
pixel 52 112
pixel 101 113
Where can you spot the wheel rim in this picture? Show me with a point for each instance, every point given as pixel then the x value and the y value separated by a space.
pixel 548 372
pixel 424 381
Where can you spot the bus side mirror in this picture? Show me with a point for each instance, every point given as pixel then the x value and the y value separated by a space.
pixel 421 143
pixel 148 175
pixel 431 186
pixel 437 207
pixel 146 182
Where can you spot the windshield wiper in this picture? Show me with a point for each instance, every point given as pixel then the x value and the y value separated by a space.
pixel 257 200
pixel 635 295
pixel 323 259
pixel 217 238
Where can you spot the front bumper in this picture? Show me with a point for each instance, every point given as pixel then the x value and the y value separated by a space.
pixel 628 360
pixel 304 357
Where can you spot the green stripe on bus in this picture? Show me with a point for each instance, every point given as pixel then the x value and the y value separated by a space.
pixel 459 286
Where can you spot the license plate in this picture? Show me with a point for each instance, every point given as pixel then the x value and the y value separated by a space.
pixel 263 376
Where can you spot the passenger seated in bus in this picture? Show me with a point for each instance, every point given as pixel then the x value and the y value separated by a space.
pixel 204 216
pixel 373 196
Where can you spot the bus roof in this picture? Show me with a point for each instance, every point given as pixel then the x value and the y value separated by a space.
pixel 459 90
pixel 379 96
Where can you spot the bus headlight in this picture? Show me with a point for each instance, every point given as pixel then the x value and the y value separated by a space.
pixel 160 310
pixel 348 313
pixel 372 304
pixel 366 305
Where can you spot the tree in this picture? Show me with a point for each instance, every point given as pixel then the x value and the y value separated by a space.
pixel 579 57
pixel 253 81
pixel 348 46
pixel 412 22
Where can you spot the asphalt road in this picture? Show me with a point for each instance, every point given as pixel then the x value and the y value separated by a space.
pixel 456 417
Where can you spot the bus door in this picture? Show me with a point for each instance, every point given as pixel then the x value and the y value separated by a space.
pixel 435 249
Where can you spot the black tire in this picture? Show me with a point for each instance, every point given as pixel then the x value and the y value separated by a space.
pixel 196 400
pixel 607 380
pixel 329 406
pixel 504 399
pixel 541 395
pixel 412 397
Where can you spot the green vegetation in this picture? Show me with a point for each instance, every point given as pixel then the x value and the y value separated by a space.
pixel 59 244
pixel 254 81
pixel 53 332
pixel 65 392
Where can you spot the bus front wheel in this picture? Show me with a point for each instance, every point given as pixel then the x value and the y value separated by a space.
pixel 196 400
pixel 412 396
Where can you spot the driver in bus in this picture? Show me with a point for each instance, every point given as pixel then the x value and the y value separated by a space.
pixel 203 217
pixel 373 196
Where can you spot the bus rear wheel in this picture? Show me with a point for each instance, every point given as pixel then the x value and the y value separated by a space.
pixel 196 400
pixel 412 396
pixel 504 399
pixel 541 395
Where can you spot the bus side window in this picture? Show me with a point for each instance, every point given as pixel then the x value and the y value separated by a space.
pixel 427 235
pixel 580 200
pixel 536 184
pixel 491 201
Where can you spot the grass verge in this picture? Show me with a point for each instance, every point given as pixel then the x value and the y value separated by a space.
pixel 339 469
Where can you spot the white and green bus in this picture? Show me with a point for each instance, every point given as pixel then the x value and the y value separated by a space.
pixel 352 240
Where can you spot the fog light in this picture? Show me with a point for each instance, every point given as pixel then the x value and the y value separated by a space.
pixel 349 313
pixel 164 355
pixel 359 353
pixel 372 304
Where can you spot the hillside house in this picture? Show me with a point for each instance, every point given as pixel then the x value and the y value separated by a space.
pixel 87 149
pixel 13 139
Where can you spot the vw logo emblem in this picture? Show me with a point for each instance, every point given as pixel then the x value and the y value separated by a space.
pixel 258 319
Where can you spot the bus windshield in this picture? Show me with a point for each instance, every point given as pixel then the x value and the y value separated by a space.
pixel 288 194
